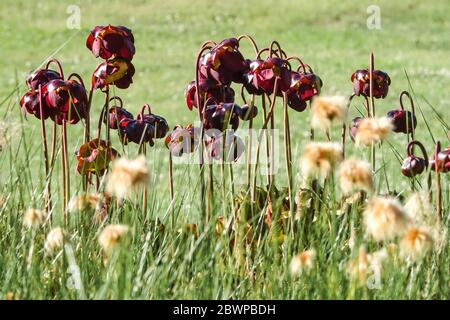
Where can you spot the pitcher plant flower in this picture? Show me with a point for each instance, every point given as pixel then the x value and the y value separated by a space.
pixel 111 41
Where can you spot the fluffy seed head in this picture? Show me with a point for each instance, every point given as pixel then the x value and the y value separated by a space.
pixel 302 261
pixel 372 130
pixel 385 219
pixel 83 202
pixel 33 218
pixel 111 236
pixel 355 175
pixel 127 175
pixel 325 110
pixel 320 158
pixel 416 243
pixel 419 208
pixel 54 241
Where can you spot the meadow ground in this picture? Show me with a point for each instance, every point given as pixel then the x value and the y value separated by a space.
pixel 331 36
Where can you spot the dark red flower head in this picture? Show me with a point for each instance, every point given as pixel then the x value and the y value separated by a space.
pixel 30 103
pixel 304 86
pixel 441 161
pixel 144 128
pixel 248 113
pixel 221 65
pixel 414 165
pixel 116 115
pixel 215 94
pixel 403 121
pixel 263 75
pixel 111 41
pixel 361 83
pixel 222 116
pixel 41 77
pixel 65 101
pixel 228 151
pixel 94 157
pixel 182 140
pixel 118 72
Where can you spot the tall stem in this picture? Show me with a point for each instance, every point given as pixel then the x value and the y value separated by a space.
pixel 372 105
pixel 438 182
pixel 63 171
pixel 47 196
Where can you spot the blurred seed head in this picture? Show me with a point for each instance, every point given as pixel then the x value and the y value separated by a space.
pixel 355 175
pixel 302 262
pixel 419 207
pixel 111 236
pixel 320 158
pixel 416 243
pixel 373 130
pixel 385 218
pixel 126 176
pixel 54 240
pixel 83 202
pixel 33 218
pixel 327 109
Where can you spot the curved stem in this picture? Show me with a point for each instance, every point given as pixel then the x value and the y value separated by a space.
pixel 410 149
pixel 413 113
pixel 76 75
pixel 250 39
pixel 117 98
pixel 60 69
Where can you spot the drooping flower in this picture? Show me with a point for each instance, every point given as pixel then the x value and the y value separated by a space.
pixel 414 165
pixel 143 129
pixel 263 75
pixel 65 101
pixel 117 71
pixel 182 140
pixel 385 218
pixel 54 240
pixel 95 156
pixel 228 151
pixel 127 175
pixel 248 112
pixel 221 65
pixel 372 130
pixel 116 115
pixel 355 175
pixel 303 261
pixel 215 94
pixel 222 116
pixel 304 86
pixel 320 158
pixel 325 110
pixel 111 41
pixel 416 243
pixel 441 162
pixel 353 127
pixel 402 120
pixel 112 236
pixel 33 218
pixel 361 83
pixel 41 77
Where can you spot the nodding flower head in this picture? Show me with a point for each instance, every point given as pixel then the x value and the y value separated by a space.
pixel 118 72
pixel 182 140
pixel 41 77
pixel 111 41
pixel 65 101
pixel 95 156
pixel 441 160
pixel 361 83
pixel 116 115
pixel 222 116
pixel 221 65
pixel 264 74
pixel 144 128
pixel 304 86
pixel 414 165
pixel 402 120
pixel 228 150
pixel 215 94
